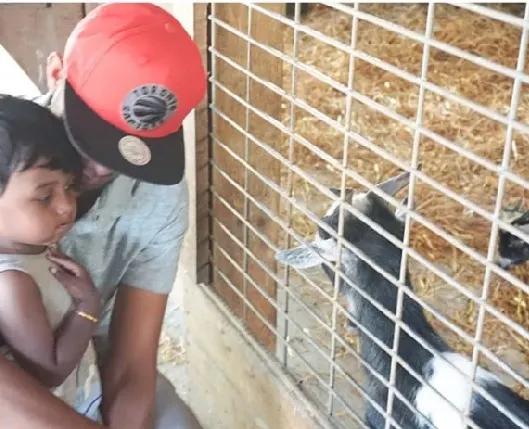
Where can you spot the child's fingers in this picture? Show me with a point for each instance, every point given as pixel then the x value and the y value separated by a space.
pixel 63 277
pixel 54 250
pixel 66 264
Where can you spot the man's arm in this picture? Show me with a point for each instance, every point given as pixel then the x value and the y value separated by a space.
pixel 129 371
pixel 25 404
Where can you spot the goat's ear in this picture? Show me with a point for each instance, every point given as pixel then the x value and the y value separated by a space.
pixel 335 191
pixel 349 192
pixel 309 256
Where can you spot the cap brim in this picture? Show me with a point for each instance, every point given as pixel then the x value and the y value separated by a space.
pixel 98 140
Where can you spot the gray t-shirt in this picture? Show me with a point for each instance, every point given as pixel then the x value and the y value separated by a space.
pixel 133 235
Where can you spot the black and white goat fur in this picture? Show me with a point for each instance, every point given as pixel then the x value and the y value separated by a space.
pixel 512 250
pixel 447 373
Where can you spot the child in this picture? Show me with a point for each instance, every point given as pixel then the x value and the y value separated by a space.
pixel 49 307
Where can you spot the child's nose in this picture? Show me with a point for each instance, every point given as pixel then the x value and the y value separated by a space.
pixel 65 208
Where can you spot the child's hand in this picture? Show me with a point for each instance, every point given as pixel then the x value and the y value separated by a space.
pixel 75 279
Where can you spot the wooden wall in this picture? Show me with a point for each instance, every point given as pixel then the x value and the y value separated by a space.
pixel 202 157
pixel 237 251
pixel 30 32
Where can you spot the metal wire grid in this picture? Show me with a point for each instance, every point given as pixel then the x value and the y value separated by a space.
pixel 517 75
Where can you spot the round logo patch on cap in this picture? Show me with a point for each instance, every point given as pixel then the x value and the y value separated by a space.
pixel 134 150
pixel 148 106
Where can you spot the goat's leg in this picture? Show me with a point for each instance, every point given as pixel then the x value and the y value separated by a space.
pixel 373 418
pixel 350 325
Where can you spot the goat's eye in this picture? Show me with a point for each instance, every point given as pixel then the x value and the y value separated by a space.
pixel 324 235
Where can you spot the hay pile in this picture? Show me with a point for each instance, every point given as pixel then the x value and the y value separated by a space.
pixel 470 32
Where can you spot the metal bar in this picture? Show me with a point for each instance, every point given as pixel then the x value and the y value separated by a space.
pixel 383 154
pixel 491 114
pixel 494 14
pixel 407 225
pixel 502 170
pixel 417 376
pixel 434 184
pixel 415 216
pixel 444 47
pixel 211 71
pixel 403 326
pixel 273 330
pixel 299 301
pixel 336 286
pixel 390 113
pixel 289 184
pixel 493 240
pixel 344 344
pixel 360 254
pixel 246 204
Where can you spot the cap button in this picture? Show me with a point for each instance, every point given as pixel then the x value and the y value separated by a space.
pixel 170 27
pixel 142 60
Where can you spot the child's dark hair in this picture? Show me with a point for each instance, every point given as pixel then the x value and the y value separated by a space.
pixel 30 133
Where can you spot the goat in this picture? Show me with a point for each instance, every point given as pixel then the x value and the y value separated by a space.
pixel 291 9
pixel 511 249
pixel 445 372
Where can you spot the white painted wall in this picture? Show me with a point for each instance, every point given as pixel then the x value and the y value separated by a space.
pixel 13 79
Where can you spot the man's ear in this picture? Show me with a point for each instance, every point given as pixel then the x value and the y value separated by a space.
pixel 54 68
pixel 309 256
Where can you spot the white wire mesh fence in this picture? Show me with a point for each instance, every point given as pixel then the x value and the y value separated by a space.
pixel 343 97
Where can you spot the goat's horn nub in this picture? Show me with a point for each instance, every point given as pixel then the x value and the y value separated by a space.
pixel 395 184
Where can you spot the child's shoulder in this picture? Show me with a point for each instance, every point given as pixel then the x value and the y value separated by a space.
pixel 10 262
pixel 16 267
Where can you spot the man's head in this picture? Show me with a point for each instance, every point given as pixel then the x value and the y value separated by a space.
pixel 129 76
pixel 38 173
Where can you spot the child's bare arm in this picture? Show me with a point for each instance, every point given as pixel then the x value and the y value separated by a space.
pixel 50 356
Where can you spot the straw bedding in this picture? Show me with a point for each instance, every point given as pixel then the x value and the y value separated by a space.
pixel 468 31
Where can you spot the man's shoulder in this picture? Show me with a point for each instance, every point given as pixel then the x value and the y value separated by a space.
pixel 169 195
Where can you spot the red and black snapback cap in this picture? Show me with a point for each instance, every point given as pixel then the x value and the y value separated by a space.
pixel 132 75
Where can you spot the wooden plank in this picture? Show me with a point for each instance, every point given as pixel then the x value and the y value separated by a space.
pixel 30 32
pixel 269 32
pixel 201 130
pixel 88 7
pixel 202 155
pixel 235 386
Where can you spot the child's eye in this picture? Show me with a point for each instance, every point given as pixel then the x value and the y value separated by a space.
pixel 45 199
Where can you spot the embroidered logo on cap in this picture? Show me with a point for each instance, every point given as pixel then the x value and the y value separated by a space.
pixel 134 150
pixel 148 106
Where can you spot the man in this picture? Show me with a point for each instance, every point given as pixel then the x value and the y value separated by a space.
pixel 129 76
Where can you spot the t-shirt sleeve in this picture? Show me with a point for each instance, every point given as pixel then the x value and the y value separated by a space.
pixel 155 267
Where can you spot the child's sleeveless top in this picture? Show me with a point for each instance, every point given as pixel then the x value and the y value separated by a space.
pixel 57 302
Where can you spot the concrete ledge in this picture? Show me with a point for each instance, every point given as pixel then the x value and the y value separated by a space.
pixel 232 382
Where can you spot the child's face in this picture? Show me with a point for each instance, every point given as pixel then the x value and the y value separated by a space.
pixel 38 206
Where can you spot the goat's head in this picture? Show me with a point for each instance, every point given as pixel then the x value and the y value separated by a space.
pixel 324 246
pixel 512 250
